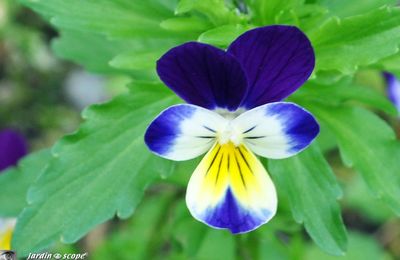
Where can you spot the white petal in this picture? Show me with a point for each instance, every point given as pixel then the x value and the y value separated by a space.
pixel 183 132
pixel 277 130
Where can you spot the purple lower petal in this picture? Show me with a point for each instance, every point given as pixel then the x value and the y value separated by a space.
pixel 230 189
pixel 277 60
pixel 231 215
pixel 12 148
pixel 203 75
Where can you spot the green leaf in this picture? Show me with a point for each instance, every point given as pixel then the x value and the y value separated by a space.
pixel 93 51
pixel 307 17
pixel 182 172
pixel 184 6
pixel 312 191
pixel 327 77
pixel 190 242
pixel 391 64
pixel 136 60
pixel 267 11
pixel 342 92
pixel 360 247
pixel 222 36
pixel 266 242
pixel 15 182
pixel 270 247
pixel 199 241
pixel 142 55
pixel 119 18
pixel 185 24
pixel 216 11
pixel 344 8
pixel 344 45
pixel 213 242
pixel 94 32
pixel 101 54
pixel 369 145
pixel 359 198
pixel 99 171
pixel 138 238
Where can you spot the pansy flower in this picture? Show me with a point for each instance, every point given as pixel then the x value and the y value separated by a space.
pixel 393 89
pixel 12 148
pixel 235 112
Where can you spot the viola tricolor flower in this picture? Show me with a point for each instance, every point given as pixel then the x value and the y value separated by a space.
pixel 234 112
pixel 12 148
pixel 393 89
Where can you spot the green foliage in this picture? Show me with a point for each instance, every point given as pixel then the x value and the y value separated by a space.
pixel 310 175
pixel 104 168
pixel 391 63
pixel 341 92
pixel 375 157
pixel 366 142
pixel 345 8
pixel 203 243
pixel 119 18
pixel 129 29
pixel 138 239
pixel 216 11
pixel 15 183
pixel 98 159
pixel 94 32
pixel 360 248
pixel 95 54
pixel 268 12
pixel 344 45
pixel 223 35
pixel 358 197
pixel 161 221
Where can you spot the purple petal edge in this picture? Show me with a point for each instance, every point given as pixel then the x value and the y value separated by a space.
pixel 162 132
pixel 300 126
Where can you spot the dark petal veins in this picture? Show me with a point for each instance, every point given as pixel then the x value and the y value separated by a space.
pixel 12 148
pixel 277 60
pixel 277 130
pixel 181 132
pixel 203 75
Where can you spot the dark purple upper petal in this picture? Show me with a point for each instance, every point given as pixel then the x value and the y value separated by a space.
pixel 277 60
pixel 12 148
pixel 203 75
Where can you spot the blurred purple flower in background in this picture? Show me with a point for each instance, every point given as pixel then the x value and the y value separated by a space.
pixel 13 147
pixel 393 89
